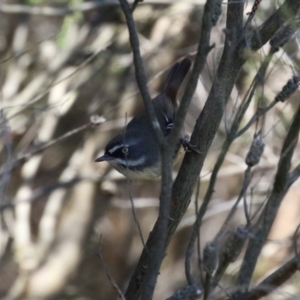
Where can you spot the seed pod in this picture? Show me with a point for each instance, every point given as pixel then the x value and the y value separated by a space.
pixel 291 86
pixel 234 244
pixel 210 257
pixel 256 150
pixel 282 35
pixel 190 292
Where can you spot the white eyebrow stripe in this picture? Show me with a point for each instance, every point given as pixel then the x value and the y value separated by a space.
pixel 113 149
pixel 119 146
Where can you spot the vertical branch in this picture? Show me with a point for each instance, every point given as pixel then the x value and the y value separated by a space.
pixel 215 107
pixel 157 252
pixel 139 69
pixel 280 187
pixel 141 274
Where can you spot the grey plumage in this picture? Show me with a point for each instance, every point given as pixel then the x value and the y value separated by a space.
pixel 135 152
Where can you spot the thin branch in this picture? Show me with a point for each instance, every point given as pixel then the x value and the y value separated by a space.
pixel 49 88
pixel 200 59
pixel 135 218
pixel 273 281
pixel 139 70
pixel 23 157
pixel 198 237
pixel 265 221
pixel 294 175
pixel 262 35
pixel 140 275
pixel 156 254
pixel 135 4
pixel 109 276
pixel 259 113
pixel 252 13
pixel 42 192
pixel 160 236
pixel 233 248
pixel 217 107
pixel 295 238
pixel 203 134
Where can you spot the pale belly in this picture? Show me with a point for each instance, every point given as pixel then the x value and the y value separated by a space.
pixel 147 173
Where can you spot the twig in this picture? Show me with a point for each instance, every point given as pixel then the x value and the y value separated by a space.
pixel 6 138
pixel 48 89
pixel 234 246
pixel 139 70
pixel 135 4
pixel 198 238
pixel 266 219
pixel 295 238
pixel 156 254
pixel 231 136
pixel 252 13
pixel 109 276
pixel 203 134
pixel 21 158
pixel 294 175
pixel 259 37
pixel 259 113
pixel 139 277
pixel 273 281
pixel 41 192
pixel 133 211
pixel 214 103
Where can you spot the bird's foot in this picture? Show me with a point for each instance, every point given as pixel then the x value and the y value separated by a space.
pixel 188 147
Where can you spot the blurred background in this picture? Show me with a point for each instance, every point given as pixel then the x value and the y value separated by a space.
pixel 63 62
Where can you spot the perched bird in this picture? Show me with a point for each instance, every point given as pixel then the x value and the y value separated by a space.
pixel 135 152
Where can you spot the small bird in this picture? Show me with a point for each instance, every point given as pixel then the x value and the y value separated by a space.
pixel 135 152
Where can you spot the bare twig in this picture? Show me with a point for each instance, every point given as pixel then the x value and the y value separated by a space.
pixel 48 89
pixel 273 281
pixel 139 69
pixel 233 22
pixel 133 211
pixel 259 37
pixel 135 4
pixel 42 192
pixel 252 13
pixel 109 276
pixel 21 158
pixel 295 239
pixel 234 246
pixel 156 255
pixel 138 279
pixel 280 187
pixel 229 139
pixel 294 175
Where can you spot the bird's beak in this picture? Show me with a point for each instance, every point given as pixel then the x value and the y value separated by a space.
pixel 104 157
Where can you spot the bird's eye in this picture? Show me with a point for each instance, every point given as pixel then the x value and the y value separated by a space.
pixel 125 150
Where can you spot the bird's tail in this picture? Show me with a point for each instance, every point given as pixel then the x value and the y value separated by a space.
pixel 176 78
